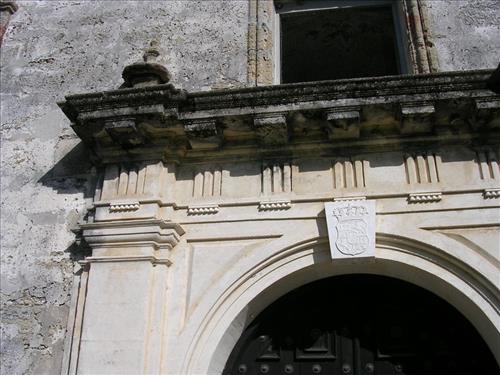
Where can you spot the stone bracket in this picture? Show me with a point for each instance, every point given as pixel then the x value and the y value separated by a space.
pixel 344 123
pixel 271 129
pixel 425 197
pixel 416 116
pixel 203 134
pixel 124 131
pixel 487 110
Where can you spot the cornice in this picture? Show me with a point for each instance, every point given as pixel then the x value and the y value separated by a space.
pixel 162 122
pixel 155 233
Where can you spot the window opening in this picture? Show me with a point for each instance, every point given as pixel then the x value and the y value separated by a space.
pixel 339 39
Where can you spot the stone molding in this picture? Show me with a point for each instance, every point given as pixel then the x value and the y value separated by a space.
pixel 424 197
pixel 206 209
pixel 354 198
pixel 491 193
pixel 124 206
pixel 275 205
pixel 154 233
pixel 112 259
pixel 134 120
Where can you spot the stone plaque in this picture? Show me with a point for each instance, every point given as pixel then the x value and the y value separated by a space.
pixel 351 228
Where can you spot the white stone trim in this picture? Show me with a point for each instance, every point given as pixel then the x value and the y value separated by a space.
pixel 124 206
pixel 152 259
pixel 354 198
pixel 424 197
pixel 405 258
pixel 275 205
pixel 491 193
pixel 206 209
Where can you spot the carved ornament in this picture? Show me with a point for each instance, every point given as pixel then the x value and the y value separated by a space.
pixel 424 197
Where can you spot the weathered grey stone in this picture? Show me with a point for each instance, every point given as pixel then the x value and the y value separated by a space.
pixel 56 48
pixel 52 48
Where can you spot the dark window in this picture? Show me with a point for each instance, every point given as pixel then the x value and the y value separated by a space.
pixel 338 43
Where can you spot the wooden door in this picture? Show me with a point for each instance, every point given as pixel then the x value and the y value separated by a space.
pixel 361 325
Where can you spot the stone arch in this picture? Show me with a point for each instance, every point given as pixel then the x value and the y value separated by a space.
pixel 399 257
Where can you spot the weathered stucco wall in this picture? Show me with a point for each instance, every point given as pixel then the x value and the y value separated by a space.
pixel 466 33
pixel 55 48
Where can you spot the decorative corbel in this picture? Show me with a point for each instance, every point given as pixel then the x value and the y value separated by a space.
pixel 271 129
pixel 416 117
pixel 487 110
pixel 124 131
pixel 343 123
pixel 203 134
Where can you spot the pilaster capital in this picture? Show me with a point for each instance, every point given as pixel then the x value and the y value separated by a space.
pixel 131 238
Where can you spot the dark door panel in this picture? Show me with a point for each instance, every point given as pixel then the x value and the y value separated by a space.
pixel 361 325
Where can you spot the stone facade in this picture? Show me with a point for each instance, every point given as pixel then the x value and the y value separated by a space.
pixel 192 209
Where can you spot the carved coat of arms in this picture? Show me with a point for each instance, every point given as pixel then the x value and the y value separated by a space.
pixel 352 237
pixel 351 228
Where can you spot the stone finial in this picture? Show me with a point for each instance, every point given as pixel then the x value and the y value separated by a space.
pixel 147 72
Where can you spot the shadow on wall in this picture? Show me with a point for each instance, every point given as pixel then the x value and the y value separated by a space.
pixel 72 174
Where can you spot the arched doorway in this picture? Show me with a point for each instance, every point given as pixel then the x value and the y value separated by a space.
pixel 360 325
